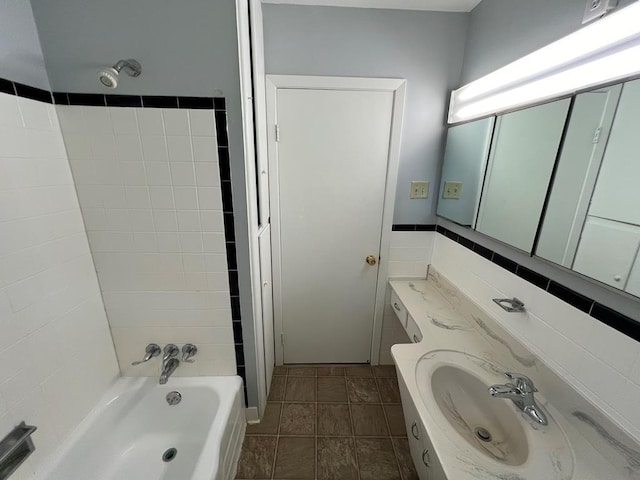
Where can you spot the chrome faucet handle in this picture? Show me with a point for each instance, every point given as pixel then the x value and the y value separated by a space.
pixel 189 350
pixel 170 351
pixel 152 350
pixel 522 382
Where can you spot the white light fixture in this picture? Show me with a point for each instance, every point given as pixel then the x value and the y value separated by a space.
pixel 600 52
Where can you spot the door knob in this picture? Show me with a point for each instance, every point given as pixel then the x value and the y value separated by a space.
pixel 371 260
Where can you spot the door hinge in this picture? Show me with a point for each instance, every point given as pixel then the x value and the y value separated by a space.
pixel 596 135
pixel 282 338
pixel 277 133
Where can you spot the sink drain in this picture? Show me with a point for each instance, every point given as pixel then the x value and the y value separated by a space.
pixel 483 434
pixel 169 455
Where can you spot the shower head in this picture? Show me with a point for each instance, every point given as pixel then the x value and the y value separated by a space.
pixel 108 76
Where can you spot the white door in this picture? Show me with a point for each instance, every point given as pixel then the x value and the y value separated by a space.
pixel 331 163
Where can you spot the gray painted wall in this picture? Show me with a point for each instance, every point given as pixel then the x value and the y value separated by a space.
pixel 185 48
pixel 426 48
pixel 21 58
pixel 501 31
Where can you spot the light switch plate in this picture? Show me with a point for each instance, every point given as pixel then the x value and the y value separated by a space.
pixel 419 190
pixel 597 8
pixel 452 190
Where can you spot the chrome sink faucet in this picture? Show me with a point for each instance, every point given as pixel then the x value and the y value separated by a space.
pixel 521 393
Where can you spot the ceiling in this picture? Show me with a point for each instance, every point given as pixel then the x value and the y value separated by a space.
pixel 430 5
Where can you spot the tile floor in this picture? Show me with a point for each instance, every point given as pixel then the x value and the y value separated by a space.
pixel 332 422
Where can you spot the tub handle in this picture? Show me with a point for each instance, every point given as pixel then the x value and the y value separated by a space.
pixel 151 351
pixel 189 350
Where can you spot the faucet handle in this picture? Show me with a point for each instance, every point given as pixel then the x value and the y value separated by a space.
pixel 189 350
pixel 152 350
pixel 523 383
pixel 170 351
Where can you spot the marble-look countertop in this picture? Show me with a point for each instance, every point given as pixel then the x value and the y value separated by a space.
pixel 448 320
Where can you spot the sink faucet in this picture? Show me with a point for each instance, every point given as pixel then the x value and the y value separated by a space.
pixel 521 394
pixel 167 369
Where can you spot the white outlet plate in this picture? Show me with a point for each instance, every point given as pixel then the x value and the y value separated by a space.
pixel 452 190
pixel 419 190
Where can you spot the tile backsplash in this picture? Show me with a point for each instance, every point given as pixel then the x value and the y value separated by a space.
pixel 598 361
pixel 54 334
pixel 149 186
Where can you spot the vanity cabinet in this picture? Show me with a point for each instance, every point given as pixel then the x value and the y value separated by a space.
pixel 412 329
pixel 422 453
pixel 398 309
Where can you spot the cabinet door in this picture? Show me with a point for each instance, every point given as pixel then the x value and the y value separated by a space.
pixel 620 243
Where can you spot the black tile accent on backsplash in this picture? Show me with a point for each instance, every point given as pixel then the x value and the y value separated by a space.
pixel 505 263
pixel 465 242
pixel 196 102
pixel 221 128
pixel 60 98
pixel 33 93
pixel 530 276
pixel 572 298
pixel 483 251
pixel 154 101
pixel 87 99
pixel 616 320
pixel 224 164
pixel 234 289
pixel 227 197
pixel 6 86
pixel 403 228
pixel 452 235
pixel 124 100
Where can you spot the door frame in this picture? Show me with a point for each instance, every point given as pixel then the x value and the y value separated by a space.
pixel 398 88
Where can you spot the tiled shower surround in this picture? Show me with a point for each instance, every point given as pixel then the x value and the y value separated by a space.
pixel 54 333
pixel 149 186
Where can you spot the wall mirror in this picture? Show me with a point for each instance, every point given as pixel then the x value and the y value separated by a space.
pixel 523 153
pixel 592 221
pixel 465 160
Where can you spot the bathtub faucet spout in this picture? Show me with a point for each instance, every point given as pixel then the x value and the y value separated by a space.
pixel 167 369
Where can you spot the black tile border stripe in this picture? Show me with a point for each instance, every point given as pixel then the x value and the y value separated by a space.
pixel 401 227
pixel 111 100
pixel 229 228
pixel 606 315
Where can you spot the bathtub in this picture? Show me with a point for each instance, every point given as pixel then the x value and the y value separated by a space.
pixel 130 433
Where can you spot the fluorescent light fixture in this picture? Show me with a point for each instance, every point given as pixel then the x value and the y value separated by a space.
pixel 523 81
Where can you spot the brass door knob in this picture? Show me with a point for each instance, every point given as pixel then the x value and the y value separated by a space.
pixel 371 260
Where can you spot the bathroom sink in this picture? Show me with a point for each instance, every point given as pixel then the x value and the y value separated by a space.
pixel 491 433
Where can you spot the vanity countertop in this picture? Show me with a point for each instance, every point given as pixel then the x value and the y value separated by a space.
pixel 448 320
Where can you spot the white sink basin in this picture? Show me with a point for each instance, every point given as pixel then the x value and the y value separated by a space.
pixel 490 434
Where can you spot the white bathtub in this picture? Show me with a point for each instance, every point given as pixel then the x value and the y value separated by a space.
pixel 125 435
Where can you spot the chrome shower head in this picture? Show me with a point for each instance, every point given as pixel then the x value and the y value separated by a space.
pixel 109 76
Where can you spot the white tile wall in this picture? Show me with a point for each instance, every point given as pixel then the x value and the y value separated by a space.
pixel 54 335
pixel 601 363
pixel 149 188
pixel 410 253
